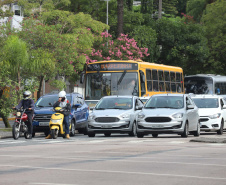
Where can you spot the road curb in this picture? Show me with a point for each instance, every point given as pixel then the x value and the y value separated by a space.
pixel 8 119
pixel 209 140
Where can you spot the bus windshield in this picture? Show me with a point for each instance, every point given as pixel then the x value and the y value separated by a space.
pixel 198 85
pixel 105 84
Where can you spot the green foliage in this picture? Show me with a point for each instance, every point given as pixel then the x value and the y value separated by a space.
pixel 214 22
pixel 58 84
pixel 181 45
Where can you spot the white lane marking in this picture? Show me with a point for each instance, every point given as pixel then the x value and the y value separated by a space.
pixel 11 142
pixel 216 144
pixel 177 142
pixel 115 159
pixel 97 141
pixel 44 183
pixel 111 171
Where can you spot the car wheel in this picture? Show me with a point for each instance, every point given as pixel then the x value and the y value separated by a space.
pixel 197 132
pixel 72 131
pixel 107 134
pixel 154 135
pixel 185 133
pixel 91 134
pixel 134 130
pixel 220 131
pixel 140 135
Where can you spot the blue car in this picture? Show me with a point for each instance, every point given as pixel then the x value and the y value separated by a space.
pixel 44 110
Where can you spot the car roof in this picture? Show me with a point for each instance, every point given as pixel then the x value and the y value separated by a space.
pixel 180 95
pixel 119 96
pixel 206 96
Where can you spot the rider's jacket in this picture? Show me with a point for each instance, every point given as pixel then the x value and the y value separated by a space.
pixel 29 103
pixel 66 107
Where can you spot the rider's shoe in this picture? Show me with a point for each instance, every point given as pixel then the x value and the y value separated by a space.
pixel 67 136
pixel 48 137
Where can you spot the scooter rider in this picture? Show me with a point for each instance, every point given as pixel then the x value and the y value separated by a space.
pixel 65 104
pixel 27 103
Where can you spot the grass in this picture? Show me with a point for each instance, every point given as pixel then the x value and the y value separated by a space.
pixel 6 129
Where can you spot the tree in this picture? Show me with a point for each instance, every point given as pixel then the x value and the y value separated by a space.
pixel 181 44
pixel 214 22
pixel 120 17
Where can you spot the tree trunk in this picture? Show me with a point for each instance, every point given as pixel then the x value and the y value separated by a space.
pixel 120 17
pixel 40 87
pixel 5 121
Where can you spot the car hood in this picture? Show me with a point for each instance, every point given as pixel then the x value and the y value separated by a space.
pixel 161 112
pixel 208 112
pixel 43 110
pixel 111 112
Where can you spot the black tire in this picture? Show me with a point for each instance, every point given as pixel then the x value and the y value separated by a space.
pixel 197 132
pixel 107 134
pixel 16 131
pixel 155 135
pixel 140 135
pixel 134 130
pixel 91 134
pixel 54 133
pixel 80 131
pixel 72 131
pixel 185 133
pixel 221 130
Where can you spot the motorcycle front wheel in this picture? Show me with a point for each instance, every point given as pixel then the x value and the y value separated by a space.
pixel 54 133
pixel 16 130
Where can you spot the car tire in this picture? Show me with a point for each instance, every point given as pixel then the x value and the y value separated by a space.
pixel 134 130
pixel 155 135
pixel 140 135
pixel 185 133
pixel 107 134
pixel 72 131
pixel 197 132
pixel 91 134
pixel 220 131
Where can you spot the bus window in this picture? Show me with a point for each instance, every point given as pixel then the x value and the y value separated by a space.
pixel 155 80
pixel 161 81
pixel 142 83
pixel 220 88
pixel 178 83
pixel 173 79
pixel 167 80
pixel 149 79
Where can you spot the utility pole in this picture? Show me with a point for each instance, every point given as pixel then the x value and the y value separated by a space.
pixel 160 10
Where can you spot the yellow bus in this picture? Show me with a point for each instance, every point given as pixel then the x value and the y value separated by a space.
pixel 130 77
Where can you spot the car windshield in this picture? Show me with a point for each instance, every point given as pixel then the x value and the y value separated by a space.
pixel 171 102
pixel 48 101
pixel 115 103
pixel 206 102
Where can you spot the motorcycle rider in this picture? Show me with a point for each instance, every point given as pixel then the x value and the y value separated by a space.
pixel 27 103
pixel 65 104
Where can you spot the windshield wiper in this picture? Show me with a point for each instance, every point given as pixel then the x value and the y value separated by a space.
pixel 122 76
pixel 150 107
pixel 39 106
pixel 100 108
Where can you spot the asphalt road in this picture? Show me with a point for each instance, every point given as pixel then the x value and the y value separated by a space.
pixel 168 159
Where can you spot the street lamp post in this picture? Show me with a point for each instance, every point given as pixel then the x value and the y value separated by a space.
pixel 106 16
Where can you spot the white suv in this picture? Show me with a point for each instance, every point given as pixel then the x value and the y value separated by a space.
pixel 212 112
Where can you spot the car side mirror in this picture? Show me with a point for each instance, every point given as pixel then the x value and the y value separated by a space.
pixel 91 108
pixel 224 106
pixel 190 107
pixel 139 107
pixel 50 104
pixel 77 105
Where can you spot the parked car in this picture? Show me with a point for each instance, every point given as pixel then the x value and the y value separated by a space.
pixel 44 109
pixel 115 114
pixel 168 114
pixel 212 112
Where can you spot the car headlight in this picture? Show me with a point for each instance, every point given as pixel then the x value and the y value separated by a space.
pixel 214 116
pixel 55 120
pixel 125 116
pixel 91 116
pixel 178 115
pixel 141 115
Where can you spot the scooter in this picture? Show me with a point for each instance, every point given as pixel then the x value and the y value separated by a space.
pixel 56 123
pixel 20 124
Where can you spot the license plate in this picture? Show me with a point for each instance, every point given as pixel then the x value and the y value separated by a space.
pixel 43 123
pixel 106 126
pixel 157 126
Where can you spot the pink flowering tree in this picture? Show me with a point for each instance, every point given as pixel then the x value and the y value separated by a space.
pixel 123 48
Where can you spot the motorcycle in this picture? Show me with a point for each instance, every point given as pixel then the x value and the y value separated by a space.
pixel 20 124
pixel 56 123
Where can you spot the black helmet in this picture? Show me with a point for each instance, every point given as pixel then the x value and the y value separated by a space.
pixel 27 95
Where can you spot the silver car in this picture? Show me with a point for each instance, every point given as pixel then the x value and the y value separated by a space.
pixel 115 114
pixel 168 113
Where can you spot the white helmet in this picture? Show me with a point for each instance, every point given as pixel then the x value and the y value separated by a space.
pixel 62 94
pixel 27 95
